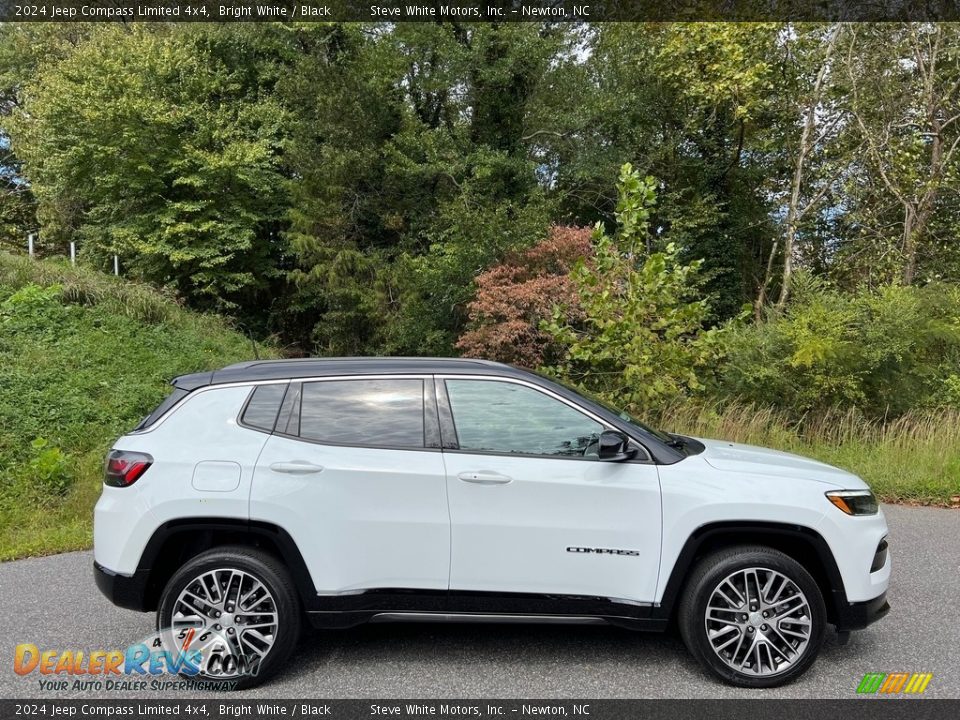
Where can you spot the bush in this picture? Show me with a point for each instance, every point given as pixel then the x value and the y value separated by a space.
pixel 884 351
pixel 32 307
pixel 641 341
pixel 84 286
pixel 48 469
pixel 516 296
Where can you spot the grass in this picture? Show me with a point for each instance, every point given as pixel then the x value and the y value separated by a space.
pixel 914 458
pixel 83 356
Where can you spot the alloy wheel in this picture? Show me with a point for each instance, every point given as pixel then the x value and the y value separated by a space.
pixel 229 615
pixel 758 621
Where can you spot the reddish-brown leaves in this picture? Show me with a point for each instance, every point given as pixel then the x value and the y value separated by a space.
pixel 514 296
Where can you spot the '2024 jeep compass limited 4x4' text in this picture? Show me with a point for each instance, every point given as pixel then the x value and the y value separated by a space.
pixel 344 491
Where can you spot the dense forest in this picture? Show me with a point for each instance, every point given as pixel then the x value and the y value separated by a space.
pixel 760 213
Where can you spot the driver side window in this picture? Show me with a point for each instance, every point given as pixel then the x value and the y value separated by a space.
pixel 494 416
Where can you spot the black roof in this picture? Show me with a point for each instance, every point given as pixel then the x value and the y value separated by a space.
pixel 319 367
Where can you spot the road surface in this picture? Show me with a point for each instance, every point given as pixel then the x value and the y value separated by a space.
pixel 54 603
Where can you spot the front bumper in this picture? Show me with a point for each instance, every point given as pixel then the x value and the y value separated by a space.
pixel 856 616
pixel 126 591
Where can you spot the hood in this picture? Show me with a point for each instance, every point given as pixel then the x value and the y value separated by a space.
pixel 739 458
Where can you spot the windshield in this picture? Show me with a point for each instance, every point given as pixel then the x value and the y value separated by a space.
pixel 622 414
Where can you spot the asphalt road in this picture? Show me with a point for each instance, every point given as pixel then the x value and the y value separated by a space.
pixel 53 603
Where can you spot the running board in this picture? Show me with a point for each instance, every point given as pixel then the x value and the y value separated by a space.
pixel 442 617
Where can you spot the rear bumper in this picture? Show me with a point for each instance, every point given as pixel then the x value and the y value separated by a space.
pixel 126 591
pixel 856 616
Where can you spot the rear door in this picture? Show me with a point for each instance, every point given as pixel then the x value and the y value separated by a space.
pixel 354 472
pixel 533 509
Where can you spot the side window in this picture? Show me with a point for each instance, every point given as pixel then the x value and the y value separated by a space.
pixel 378 413
pixel 263 406
pixel 509 418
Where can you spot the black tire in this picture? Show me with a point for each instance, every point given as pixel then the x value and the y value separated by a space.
pixel 708 574
pixel 269 571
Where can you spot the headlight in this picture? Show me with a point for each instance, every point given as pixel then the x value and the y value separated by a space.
pixel 854 502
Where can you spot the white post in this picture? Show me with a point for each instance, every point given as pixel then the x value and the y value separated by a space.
pixel 30 237
pixel 73 253
pixel 116 265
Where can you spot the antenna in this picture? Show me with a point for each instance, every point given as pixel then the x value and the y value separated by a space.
pixel 253 343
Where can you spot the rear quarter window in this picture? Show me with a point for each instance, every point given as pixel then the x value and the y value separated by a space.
pixel 263 406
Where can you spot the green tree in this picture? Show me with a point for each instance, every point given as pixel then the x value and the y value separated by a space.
pixel 17 206
pixel 902 89
pixel 692 105
pixel 413 175
pixel 173 164
pixel 344 219
pixel 641 341
pixel 23 47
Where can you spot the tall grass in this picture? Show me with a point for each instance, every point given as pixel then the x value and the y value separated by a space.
pixel 83 356
pixel 85 286
pixel 913 458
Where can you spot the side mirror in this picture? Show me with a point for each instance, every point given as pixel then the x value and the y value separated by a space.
pixel 614 446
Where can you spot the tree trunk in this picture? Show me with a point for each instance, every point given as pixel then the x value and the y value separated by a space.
pixel 807 142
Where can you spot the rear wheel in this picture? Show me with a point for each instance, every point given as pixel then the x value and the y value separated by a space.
pixel 235 609
pixel 753 616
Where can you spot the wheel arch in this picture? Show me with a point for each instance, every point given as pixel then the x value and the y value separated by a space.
pixel 175 542
pixel 803 544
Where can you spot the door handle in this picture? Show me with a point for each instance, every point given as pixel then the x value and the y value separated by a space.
pixel 484 477
pixel 296 467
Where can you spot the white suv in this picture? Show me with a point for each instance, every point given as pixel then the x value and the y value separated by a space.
pixel 345 491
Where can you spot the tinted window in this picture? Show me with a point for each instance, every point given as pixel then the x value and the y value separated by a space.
pixel 264 404
pixel 381 413
pixel 504 417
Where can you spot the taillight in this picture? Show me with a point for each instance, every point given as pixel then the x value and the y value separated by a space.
pixel 125 468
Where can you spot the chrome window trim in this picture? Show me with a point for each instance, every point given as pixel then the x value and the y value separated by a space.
pixel 647 460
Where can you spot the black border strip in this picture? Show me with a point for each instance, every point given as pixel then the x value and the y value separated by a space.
pixel 508 11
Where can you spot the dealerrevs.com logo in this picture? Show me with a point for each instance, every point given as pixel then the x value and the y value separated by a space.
pixel 894 683
pixel 198 658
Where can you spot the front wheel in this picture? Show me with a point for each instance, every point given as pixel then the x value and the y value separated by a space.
pixel 753 616
pixel 233 613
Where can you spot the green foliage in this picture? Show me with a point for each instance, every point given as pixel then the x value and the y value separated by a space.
pixel 84 358
pixel 435 287
pixel 173 163
pixel 354 179
pixel 699 107
pixel 413 177
pixel 642 339
pixel 900 86
pixel 884 351
pixel 48 468
pixel 33 307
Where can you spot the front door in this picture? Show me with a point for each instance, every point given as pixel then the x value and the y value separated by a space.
pixel 533 509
